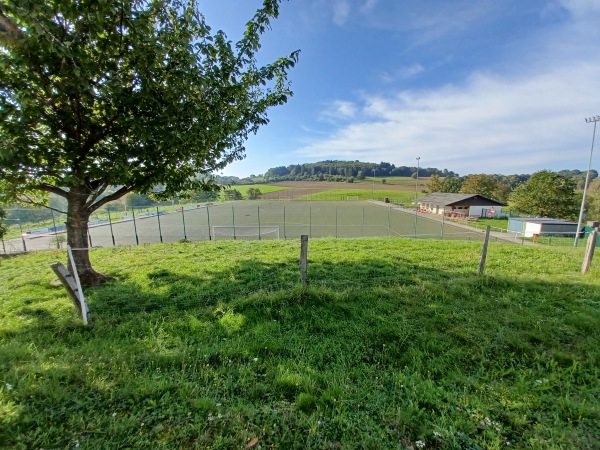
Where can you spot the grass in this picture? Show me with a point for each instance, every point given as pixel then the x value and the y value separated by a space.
pixel 264 188
pixel 396 343
pixel 362 194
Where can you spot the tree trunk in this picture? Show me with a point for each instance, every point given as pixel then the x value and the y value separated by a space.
pixel 77 238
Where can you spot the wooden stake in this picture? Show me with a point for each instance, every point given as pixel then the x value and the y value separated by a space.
pixel 304 259
pixel 484 251
pixel 589 252
pixel 68 282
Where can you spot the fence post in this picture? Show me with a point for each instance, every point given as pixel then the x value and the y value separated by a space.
pixel 208 222
pixel 258 213
pixel 443 223
pixel 304 260
pixel 159 227
pixel 589 252
pixel 362 225
pixel 22 238
pixel 484 251
pixel 183 222
pixel 112 235
pixel 310 221
pixel 389 222
pixel 284 236
pixel 415 224
pixel 233 221
pixel 55 230
pixel 336 215
pixel 137 239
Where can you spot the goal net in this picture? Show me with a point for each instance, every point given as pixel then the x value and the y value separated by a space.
pixel 245 232
pixel 351 197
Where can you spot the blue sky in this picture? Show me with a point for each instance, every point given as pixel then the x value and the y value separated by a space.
pixel 474 86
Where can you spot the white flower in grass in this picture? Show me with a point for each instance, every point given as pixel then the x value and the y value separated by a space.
pixel 255 359
pixel 420 444
pixel 437 434
pixel 8 386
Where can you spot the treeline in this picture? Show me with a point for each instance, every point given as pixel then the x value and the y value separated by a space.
pixel 346 170
pixel 497 186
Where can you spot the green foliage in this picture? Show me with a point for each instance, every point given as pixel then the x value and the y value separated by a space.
pixel 396 341
pixel 546 194
pixel 435 184
pixel 138 200
pixel 126 93
pixel 253 193
pixel 232 194
pixel 487 185
pixel 451 185
pixel 202 196
pixel 342 170
pixel 146 98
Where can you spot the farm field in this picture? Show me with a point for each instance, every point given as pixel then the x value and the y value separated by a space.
pixel 393 187
pixel 396 343
pixel 264 220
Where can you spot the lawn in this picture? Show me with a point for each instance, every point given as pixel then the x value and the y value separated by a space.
pixel 396 343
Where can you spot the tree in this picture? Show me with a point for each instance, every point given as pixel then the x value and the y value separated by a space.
pixel 125 93
pixel 435 184
pixel 203 196
pixel 138 200
pixel 253 193
pixel 232 194
pixel 486 185
pixel 451 185
pixel 546 194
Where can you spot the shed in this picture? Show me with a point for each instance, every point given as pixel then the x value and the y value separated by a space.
pixel 464 205
pixel 541 226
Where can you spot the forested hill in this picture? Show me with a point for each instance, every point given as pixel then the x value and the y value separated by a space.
pixel 342 170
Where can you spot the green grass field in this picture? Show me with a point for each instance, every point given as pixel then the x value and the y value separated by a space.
pixel 264 188
pixel 396 343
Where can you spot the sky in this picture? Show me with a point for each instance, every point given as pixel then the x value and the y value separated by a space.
pixel 474 86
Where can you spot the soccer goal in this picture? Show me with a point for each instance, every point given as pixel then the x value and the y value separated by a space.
pixel 352 197
pixel 284 199
pixel 245 232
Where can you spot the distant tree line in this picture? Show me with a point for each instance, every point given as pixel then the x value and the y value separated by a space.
pixel 346 170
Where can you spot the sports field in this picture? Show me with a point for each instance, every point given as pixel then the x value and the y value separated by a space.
pixel 267 220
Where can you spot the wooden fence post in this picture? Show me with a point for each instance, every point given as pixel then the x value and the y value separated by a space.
pixel 304 259
pixel 589 252
pixel 484 251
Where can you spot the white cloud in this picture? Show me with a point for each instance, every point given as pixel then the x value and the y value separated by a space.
pixel 368 6
pixel 491 124
pixel 341 12
pixel 402 73
pixel 527 114
pixel 339 110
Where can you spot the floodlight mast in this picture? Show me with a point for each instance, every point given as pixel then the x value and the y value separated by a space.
pixel 595 120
